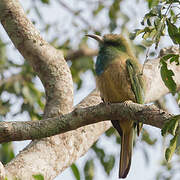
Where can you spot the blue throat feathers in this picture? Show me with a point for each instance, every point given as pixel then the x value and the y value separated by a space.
pixel 106 55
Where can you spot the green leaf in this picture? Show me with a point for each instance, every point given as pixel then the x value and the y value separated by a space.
pixel 152 3
pixel 148 22
pixel 79 66
pixel 146 35
pixel 171 125
pixel 113 13
pixel 172 57
pixel 114 9
pixel 4 107
pixel 17 87
pixel 109 164
pixel 45 1
pixel 38 177
pixel 178 99
pixel 174 32
pixel 6 152
pixel 170 150
pixel 175 58
pixel 171 1
pixel 153 33
pixel 178 144
pixel 75 171
pixel 157 21
pixel 99 8
pixel 166 57
pixel 110 132
pixel 107 161
pixel 147 138
pixel 99 152
pixel 136 33
pixel 89 170
pixel 147 43
pixel 28 95
pixel 166 76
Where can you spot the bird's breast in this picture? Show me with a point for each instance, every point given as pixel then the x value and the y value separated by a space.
pixel 114 83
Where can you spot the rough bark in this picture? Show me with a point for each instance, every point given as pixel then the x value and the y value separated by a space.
pixel 15 131
pixel 54 154
pixel 46 61
pixel 2 171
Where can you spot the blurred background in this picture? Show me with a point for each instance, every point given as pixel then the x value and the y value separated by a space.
pixel 64 25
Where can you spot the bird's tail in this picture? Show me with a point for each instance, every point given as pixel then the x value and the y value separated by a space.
pixel 126 152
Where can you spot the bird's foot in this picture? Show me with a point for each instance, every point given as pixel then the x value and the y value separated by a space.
pixel 139 127
pixel 106 103
pixel 127 102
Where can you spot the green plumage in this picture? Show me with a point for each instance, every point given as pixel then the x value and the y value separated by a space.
pixel 118 79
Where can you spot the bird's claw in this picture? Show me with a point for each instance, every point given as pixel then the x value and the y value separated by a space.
pixel 127 102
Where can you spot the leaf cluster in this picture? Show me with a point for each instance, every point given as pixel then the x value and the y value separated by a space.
pixel 172 126
pixel 163 15
pixel 167 74
pixel 107 161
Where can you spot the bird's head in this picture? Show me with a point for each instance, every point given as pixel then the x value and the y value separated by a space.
pixel 111 47
pixel 114 40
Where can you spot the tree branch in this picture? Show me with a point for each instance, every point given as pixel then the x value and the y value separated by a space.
pixel 151 115
pixel 46 61
pixel 83 51
pixel 53 155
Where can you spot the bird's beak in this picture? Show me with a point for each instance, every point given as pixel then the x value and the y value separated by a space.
pixel 96 37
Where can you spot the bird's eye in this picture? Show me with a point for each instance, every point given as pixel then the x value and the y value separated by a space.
pixel 113 43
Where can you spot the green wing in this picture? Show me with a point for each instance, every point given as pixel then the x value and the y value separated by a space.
pixel 136 85
pixel 136 81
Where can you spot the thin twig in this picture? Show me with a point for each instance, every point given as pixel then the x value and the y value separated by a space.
pixel 146 59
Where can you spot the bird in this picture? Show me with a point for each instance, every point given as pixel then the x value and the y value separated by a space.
pixel 119 79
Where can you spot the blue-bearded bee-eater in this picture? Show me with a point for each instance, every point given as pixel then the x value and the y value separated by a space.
pixel 119 79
